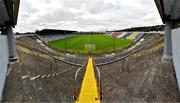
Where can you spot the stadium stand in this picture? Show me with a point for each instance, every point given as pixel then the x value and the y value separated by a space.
pixel 126 35
pixel 132 81
pixel 51 72
pixel 48 38
pixel 132 36
pixel 115 34
pixel 108 33
pixel 33 42
pixel 146 41
pixel 54 31
pixel 50 80
pixel 47 80
pixel 139 36
pixel 51 34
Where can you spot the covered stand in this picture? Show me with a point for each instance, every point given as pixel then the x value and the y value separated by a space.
pixel 8 19
pixel 170 13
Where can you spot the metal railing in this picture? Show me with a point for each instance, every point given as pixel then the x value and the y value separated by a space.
pixel 99 82
pixel 76 92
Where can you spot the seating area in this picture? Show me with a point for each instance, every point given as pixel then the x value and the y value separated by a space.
pixel 140 81
pixel 135 79
pixel 34 43
pixel 48 38
pixel 136 36
pixel 47 80
pixel 50 80
pixel 126 35
pixel 115 34
pixel 132 36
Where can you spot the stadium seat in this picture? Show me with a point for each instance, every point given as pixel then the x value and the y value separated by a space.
pixel 139 36
pixel 126 35
pixel 132 36
pixel 116 34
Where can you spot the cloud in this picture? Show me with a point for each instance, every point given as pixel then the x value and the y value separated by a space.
pixel 86 15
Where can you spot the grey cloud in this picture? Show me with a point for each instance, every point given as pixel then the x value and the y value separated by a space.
pixel 55 16
pixel 87 14
pixel 26 6
pixel 47 1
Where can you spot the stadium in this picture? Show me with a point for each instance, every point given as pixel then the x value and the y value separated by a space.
pixel 60 65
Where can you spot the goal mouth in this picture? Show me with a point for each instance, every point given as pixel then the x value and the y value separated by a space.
pixel 90 47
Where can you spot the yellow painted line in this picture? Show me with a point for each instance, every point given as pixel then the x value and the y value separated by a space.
pixel 89 90
pixel 34 53
pixel 149 51
pixel 30 52
pixel 132 36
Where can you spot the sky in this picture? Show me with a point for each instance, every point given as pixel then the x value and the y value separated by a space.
pixel 86 15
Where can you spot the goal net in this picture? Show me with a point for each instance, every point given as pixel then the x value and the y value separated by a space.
pixel 90 47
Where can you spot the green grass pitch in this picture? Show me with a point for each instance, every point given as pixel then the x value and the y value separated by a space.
pixel 103 44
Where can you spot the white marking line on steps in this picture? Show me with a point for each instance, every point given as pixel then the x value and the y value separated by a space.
pixel 43 76
pixel 33 78
pixel 26 76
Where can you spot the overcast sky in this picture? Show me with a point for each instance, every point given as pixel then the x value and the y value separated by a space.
pixel 86 15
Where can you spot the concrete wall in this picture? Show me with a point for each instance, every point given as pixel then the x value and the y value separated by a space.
pixel 176 52
pixel 4 60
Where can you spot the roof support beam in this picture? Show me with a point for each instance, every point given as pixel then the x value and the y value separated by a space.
pixel 167 56
pixel 11 44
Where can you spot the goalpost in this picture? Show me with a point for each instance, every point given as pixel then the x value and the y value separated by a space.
pixel 90 46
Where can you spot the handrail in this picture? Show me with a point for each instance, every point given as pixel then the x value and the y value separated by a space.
pixel 99 82
pixel 123 62
pixel 67 62
pixel 75 81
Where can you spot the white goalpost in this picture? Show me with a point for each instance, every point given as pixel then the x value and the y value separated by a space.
pixel 90 47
